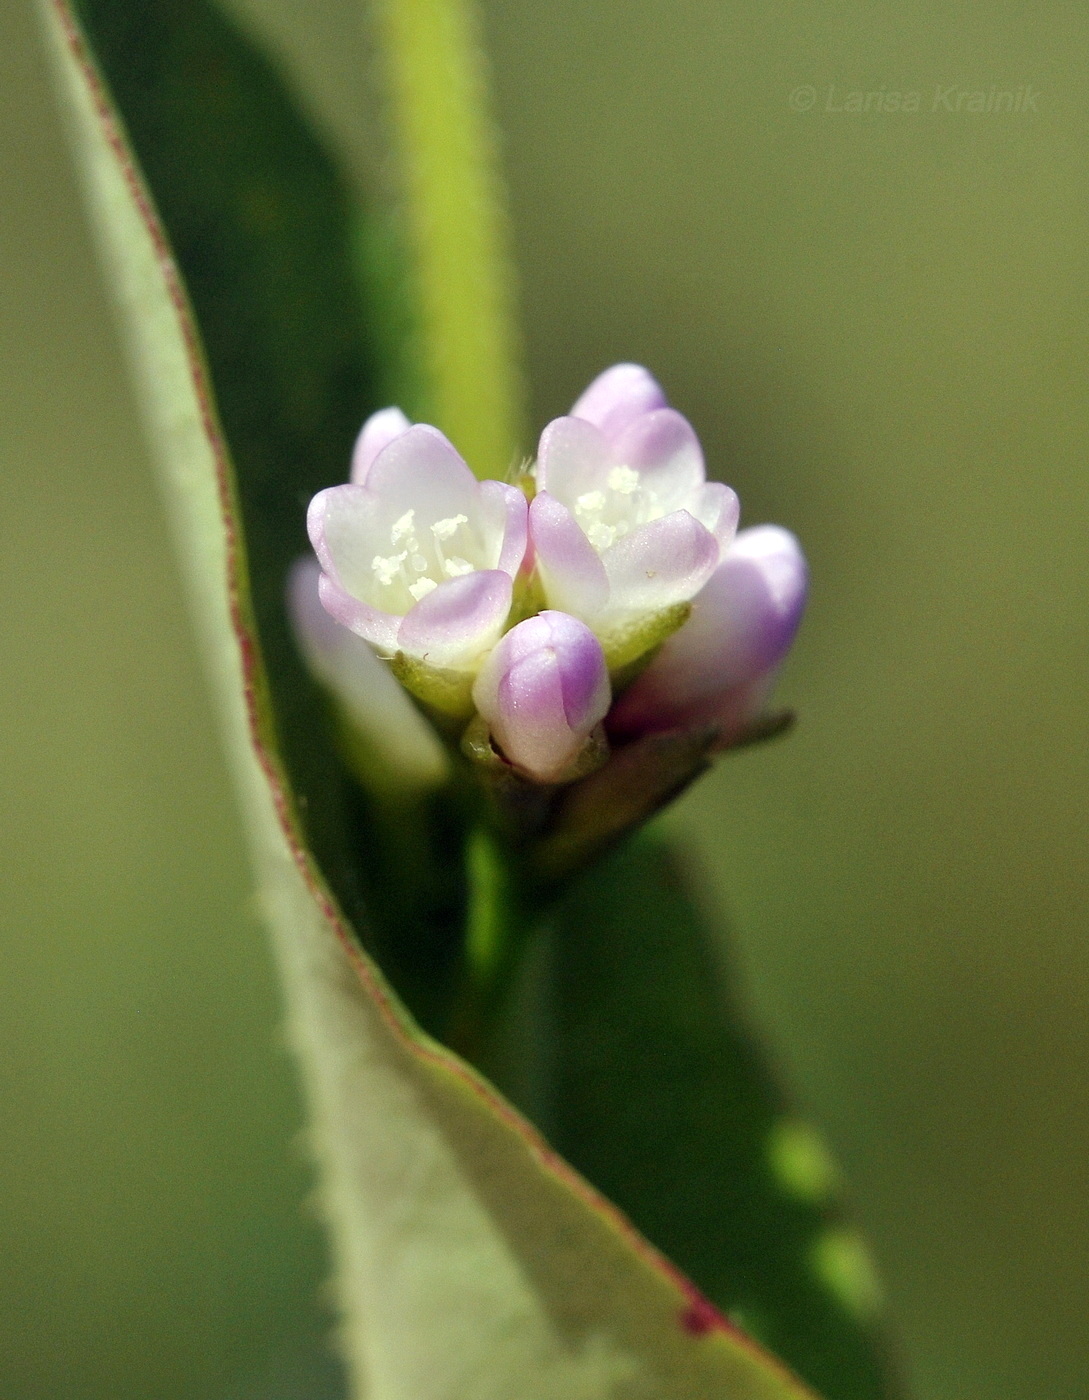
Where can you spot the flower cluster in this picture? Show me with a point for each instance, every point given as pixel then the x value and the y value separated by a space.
pixel 613 592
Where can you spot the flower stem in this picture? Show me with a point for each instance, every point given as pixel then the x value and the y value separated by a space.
pixel 497 929
pixel 457 226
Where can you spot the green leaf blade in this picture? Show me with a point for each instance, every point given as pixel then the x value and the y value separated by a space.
pixel 662 1097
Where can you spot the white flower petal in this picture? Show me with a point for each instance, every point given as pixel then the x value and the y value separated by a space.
pixel 717 508
pixel 662 563
pixel 720 664
pixel 377 432
pixel 664 450
pixel 617 397
pixel 503 516
pixel 422 471
pixel 372 624
pixel 572 574
pixel 345 529
pixel 402 740
pixel 573 458
pixel 456 624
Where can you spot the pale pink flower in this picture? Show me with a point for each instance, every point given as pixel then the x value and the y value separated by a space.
pixel 625 526
pixel 417 556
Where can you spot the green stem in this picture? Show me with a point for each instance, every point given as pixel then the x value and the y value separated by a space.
pixel 498 926
pixel 457 226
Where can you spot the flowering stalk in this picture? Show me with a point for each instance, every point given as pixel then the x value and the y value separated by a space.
pixel 659 641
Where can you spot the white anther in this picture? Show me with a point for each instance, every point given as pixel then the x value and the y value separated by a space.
pixel 623 480
pixel 443 529
pixel 601 536
pixel 403 528
pixel 388 569
pixel 590 501
pixel 422 587
pixel 455 567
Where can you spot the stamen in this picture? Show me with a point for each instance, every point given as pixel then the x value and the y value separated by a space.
pixel 444 529
pixel 422 587
pixel 623 480
pixel 455 567
pixel 388 569
pixel 590 501
pixel 404 527
pixel 601 536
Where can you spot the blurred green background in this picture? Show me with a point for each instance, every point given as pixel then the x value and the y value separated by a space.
pixel 878 322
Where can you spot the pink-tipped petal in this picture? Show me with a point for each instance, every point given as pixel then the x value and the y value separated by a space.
pixel 374 626
pixel 454 625
pixel 572 459
pixel 721 663
pixel 377 432
pixel 571 571
pixel 717 508
pixel 663 448
pixel 340 522
pixel 664 562
pixel 617 397
pixel 542 690
pixel 504 515
pixel 422 468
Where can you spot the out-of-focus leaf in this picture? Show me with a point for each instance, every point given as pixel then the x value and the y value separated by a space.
pixel 661 1097
pixel 470 1260
pixel 267 236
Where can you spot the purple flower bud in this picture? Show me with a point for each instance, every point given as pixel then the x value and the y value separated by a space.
pixel 542 691
pixel 720 666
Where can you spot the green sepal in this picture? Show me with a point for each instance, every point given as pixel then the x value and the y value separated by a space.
pixel 630 646
pixel 441 691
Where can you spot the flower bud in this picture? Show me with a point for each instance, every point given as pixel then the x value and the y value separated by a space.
pixel 720 666
pixel 389 743
pixel 543 690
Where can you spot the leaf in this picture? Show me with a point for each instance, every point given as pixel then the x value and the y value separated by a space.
pixel 663 1099
pixel 267 238
pixel 470 1260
